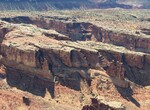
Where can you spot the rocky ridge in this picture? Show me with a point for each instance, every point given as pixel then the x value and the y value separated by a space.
pixel 76 55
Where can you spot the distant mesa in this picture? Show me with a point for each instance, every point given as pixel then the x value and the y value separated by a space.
pixel 71 4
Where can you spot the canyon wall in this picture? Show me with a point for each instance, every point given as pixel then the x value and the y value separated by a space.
pixel 34 52
pixel 84 31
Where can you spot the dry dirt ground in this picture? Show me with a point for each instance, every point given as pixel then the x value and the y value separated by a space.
pixel 12 98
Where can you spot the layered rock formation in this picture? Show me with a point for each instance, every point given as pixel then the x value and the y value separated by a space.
pixel 79 55
pixel 37 51
pixel 135 61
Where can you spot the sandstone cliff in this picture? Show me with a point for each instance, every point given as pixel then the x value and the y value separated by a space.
pixel 41 53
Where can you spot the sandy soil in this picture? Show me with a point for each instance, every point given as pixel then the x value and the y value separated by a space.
pixel 12 98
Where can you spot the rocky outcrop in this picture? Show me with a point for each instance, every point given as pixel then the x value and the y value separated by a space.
pixel 59 55
pixel 102 105
pixel 35 52
pixel 84 31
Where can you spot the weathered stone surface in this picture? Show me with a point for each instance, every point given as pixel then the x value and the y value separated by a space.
pixel 96 104
pixel 51 55
pixel 147 59
pixel 78 55
pixel 107 78
pixel 85 31
pixel 135 60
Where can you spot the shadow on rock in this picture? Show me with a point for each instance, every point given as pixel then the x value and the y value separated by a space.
pixel 32 84
pixel 127 93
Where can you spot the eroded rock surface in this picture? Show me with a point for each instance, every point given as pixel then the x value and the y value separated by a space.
pixel 43 54
pixel 96 104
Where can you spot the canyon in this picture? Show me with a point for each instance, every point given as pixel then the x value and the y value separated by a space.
pixel 85 59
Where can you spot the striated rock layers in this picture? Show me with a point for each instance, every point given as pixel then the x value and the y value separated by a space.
pixel 77 54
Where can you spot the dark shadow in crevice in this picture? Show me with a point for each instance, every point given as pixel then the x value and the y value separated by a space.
pixel 18 19
pixel 32 84
pixel 39 58
pixel 127 93
pixel 2 76
pixel 72 82
pixel 137 75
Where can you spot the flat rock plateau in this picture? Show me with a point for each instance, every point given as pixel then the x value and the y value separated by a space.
pixel 75 60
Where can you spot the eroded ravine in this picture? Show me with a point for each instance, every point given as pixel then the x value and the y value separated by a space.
pixel 75 55
pixel 84 31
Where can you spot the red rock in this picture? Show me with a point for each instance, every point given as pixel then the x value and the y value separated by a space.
pixel 135 60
